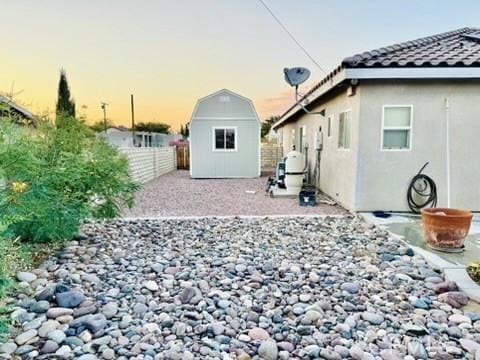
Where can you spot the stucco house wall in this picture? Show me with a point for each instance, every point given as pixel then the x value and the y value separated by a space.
pixel 384 175
pixel 337 166
pixel 423 75
pixel 368 178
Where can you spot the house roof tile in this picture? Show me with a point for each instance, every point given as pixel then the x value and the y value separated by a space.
pixel 457 48
pixel 453 48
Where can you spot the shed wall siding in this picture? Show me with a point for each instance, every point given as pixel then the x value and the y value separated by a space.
pixel 206 163
pixel 383 176
pixel 224 109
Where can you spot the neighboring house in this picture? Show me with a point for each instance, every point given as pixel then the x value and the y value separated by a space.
pixel 271 136
pixel 224 137
pixel 386 113
pixel 18 113
pixel 122 137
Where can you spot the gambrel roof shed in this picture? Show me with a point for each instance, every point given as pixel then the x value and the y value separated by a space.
pixel 224 137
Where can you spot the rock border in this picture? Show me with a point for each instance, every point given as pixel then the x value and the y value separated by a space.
pixel 452 272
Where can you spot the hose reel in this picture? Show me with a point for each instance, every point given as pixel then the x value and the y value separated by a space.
pixel 422 192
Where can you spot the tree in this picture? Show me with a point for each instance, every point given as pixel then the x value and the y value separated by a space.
pixel 161 128
pixel 267 124
pixel 185 131
pixel 65 104
pixel 99 126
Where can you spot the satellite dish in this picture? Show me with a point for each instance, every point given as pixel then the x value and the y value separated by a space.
pixel 297 75
pixel 294 77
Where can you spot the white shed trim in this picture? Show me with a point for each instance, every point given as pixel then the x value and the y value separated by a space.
pixel 235 128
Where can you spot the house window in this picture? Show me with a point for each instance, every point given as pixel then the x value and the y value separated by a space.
pixel 225 139
pixel 329 126
pixel 292 139
pixel 396 127
pixel 302 138
pixel 344 125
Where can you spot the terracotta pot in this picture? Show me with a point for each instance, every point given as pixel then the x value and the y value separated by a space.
pixel 446 229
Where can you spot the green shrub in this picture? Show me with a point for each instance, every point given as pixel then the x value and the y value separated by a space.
pixel 474 271
pixel 54 177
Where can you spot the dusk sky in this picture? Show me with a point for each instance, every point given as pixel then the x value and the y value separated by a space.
pixel 170 53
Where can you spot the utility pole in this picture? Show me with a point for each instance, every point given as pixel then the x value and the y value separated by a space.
pixel 104 108
pixel 133 119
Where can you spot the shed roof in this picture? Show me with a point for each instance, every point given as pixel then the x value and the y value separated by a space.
pixel 457 48
pixel 220 105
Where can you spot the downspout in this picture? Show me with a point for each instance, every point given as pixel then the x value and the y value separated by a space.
pixel 447 118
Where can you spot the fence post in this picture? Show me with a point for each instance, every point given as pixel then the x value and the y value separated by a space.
pixel 174 152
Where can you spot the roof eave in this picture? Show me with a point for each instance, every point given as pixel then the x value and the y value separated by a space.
pixel 333 81
pixel 383 73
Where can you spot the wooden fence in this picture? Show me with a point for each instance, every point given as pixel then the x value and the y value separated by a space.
pixel 148 163
pixel 183 158
pixel 271 155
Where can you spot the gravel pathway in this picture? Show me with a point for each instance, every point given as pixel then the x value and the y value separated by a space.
pixel 298 288
pixel 175 194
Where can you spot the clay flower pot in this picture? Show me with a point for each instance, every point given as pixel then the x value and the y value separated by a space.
pixel 446 229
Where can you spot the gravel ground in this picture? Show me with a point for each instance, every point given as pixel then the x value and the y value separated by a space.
pixel 249 288
pixel 175 194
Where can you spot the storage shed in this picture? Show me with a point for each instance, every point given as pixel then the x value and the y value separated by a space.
pixel 224 137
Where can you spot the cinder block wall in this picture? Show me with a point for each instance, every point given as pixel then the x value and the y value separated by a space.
pixel 271 155
pixel 148 163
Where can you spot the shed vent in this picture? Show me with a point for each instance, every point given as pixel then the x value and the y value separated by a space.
pixel 224 98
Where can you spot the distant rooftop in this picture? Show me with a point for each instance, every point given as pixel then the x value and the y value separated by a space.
pixel 15 110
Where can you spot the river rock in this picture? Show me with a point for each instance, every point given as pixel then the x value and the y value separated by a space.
pixel 26 336
pixel 27 277
pixel 69 299
pixel 268 350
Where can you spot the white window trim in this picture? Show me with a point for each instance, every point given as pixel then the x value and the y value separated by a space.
pixel 410 128
pixel 330 119
pixel 351 120
pixel 234 128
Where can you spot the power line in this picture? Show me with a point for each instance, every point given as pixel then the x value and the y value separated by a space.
pixel 292 37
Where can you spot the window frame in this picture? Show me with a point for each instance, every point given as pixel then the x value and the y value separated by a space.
pixel 408 128
pixel 350 131
pixel 214 143
pixel 329 126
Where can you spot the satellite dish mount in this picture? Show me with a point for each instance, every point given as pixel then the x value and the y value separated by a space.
pixel 294 77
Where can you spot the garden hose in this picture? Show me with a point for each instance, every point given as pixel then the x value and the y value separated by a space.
pixel 422 192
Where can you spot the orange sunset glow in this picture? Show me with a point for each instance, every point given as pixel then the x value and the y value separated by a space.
pixel 170 53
